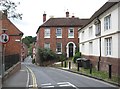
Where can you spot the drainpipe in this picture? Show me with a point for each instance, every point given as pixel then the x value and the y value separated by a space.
pixel 98 23
pixel 100 54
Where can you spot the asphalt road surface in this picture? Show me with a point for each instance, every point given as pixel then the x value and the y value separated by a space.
pixel 51 78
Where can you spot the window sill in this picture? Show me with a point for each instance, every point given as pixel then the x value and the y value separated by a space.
pixel 59 53
pixel 59 37
pixel 71 37
pixel 108 55
pixel 46 37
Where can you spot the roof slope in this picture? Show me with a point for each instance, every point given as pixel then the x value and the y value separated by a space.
pixel 64 22
pixel 104 8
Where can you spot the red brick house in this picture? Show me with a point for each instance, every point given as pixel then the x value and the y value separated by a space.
pixel 13 47
pixel 24 51
pixel 60 34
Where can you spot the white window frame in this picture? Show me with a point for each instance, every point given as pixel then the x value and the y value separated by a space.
pixel 107 22
pixel 57 33
pixel 97 29
pixel 47 33
pixel 108 46
pixel 60 52
pixel 91 47
pixel 47 45
pixel 69 33
pixel 83 48
pixel 90 31
pixel 82 35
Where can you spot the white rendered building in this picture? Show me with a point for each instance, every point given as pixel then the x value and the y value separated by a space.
pixel 99 39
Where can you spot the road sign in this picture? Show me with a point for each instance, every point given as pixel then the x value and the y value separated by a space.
pixel 4 38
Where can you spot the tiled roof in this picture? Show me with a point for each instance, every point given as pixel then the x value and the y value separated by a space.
pixel 104 8
pixel 64 22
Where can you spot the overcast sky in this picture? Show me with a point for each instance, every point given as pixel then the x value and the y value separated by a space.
pixel 33 10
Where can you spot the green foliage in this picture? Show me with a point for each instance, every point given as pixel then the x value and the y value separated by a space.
pixel 33 61
pixel 46 55
pixel 28 40
pixel 30 50
pixel 9 7
pixel 61 57
pixel 77 55
pixel 77 49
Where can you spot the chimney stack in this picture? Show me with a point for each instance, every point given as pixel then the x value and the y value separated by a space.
pixel 4 15
pixel 44 17
pixel 73 16
pixel 67 14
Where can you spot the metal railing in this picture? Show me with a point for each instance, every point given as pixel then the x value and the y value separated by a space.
pixel 11 60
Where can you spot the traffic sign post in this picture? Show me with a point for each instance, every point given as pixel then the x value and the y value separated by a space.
pixel 4 39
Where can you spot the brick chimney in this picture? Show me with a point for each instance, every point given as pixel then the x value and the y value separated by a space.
pixel 4 15
pixel 73 15
pixel 67 14
pixel 44 17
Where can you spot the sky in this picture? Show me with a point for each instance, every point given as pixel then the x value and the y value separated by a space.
pixel 33 10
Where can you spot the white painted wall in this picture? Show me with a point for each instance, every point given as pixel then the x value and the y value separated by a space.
pixel 114 46
pixel 114 28
pixel 114 20
pixel 0 52
pixel 119 45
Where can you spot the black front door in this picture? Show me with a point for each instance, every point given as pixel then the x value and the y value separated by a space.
pixel 71 50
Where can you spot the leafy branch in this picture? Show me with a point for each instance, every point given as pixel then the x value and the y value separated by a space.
pixel 10 7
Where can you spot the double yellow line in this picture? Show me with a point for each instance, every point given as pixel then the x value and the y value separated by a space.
pixel 33 78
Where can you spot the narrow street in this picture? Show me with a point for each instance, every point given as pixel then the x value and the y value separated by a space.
pixel 47 77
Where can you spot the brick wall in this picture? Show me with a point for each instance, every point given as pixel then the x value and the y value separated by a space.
pixel 53 40
pixel 12 47
pixel 105 61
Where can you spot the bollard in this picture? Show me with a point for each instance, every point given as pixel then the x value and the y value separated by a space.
pixel 90 68
pixel 110 71
pixel 69 65
pixel 98 65
pixel 78 67
pixel 62 64
pixel 65 64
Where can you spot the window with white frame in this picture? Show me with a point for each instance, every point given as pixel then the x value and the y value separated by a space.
pixel 82 35
pixel 90 31
pixel 47 45
pixel 47 33
pixel 83 48
pixel 71 33
pixel 59 48
pixel 97 29
pixel 108 45
pixel 59 33
pixel 90 47
pixel 107 22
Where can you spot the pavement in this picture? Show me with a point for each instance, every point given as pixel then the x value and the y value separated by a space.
pixel 73 66
pixel 18 79
pixel 0 81
pixel 51 78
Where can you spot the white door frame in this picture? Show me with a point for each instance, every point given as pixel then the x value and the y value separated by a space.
pixel 67 48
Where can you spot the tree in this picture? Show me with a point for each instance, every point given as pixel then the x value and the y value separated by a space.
pixel 10 7
pixel 28 40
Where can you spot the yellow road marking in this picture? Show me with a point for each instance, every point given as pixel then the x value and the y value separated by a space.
pixel 33 78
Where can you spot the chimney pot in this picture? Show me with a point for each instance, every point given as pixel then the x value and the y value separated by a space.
pixel 67 14
pixel 44 17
